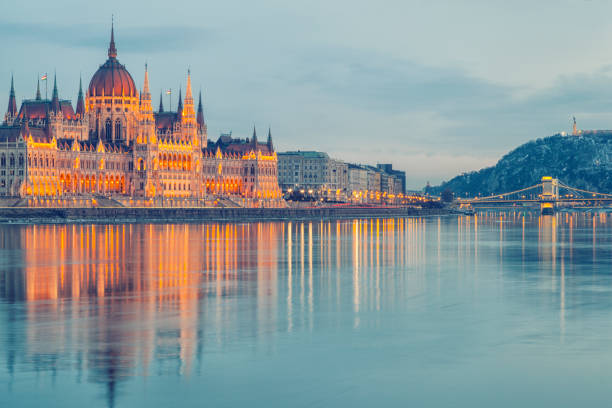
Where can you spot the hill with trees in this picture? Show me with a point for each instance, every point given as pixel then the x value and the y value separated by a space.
pixel 583 161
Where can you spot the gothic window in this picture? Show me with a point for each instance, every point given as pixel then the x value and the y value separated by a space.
pixel 20 160
pixel 117 130
pixel 12 161
pixel 108 131
pixel 2 161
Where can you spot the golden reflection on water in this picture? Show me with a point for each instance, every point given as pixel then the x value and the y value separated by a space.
pixel 156 271
pixel 124 298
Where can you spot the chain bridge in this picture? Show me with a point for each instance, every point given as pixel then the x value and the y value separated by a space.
pixel 549 194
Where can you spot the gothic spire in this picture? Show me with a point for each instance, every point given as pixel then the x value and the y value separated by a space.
pixel 55 105
pixel 270 145
pixel 254 136
pixel 38 89
pixel 179 110
pixel 188 95
pixel 200 116
pixel 145 88
pixel 12 104
pixel 80 108
pixel 146 107
pixel 112 50
pixel 161 103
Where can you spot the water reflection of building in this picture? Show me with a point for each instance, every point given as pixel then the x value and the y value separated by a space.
pixel 119 298
pixel 116 301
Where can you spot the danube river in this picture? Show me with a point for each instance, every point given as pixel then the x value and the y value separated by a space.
pixel 500 309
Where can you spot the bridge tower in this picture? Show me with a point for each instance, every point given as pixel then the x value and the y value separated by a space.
pixel 550 195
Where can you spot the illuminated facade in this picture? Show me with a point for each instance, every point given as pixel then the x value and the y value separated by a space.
pixel 115 146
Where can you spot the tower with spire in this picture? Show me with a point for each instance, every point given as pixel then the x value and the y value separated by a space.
pixel 147 182
pixel 38 98
pixel 188 115
pixel 202 128
pixel 161 103
pixel 269 143
pixel 112 49
pixel 179 109
pixel 80 108
pixel 11 111
pixel 254 142
pixel 55 103
pixel 146 105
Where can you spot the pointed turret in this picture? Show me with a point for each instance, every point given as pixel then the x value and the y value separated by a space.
pixel 200 116
pixel 145 88
pixel 270 145
pixel 80 108
pixel 146 107
pixel 161 102
pixel 38 98
pixel 188 115
pixel 12 102
pixel 188 95
pixel 112 50
pixel 254 139
pixel 179 110
pixel 55 105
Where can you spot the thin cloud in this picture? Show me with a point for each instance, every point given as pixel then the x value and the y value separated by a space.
pixel 146 39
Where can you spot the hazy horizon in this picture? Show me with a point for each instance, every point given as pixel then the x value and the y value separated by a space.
pixel 435 89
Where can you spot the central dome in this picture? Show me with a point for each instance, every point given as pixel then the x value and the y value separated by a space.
pixel 112 78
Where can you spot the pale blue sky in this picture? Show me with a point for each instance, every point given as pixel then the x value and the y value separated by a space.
pixel 436 88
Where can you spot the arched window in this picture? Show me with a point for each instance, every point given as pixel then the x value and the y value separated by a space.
pixel 117 130
pixel 21 160
pixel 3 161
pixel 108 131
pixel 12 160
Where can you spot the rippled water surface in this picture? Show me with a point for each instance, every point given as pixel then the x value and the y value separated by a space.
pixel 502 309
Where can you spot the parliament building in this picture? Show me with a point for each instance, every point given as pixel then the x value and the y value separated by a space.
pixel 115 149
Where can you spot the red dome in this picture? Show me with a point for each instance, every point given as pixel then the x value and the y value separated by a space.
pixel 112 79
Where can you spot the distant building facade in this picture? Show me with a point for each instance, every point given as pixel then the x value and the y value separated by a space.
pixel 311 170
pixel 115 145
pixel 398 176
pixel 358 178
pixel 325 177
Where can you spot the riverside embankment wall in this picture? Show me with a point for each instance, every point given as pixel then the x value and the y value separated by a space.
pixel 171 215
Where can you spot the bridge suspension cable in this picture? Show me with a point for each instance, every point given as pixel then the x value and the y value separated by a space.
pixel 565 186
pixel 510 193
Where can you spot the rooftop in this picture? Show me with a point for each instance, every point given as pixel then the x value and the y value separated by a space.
pixel 306 154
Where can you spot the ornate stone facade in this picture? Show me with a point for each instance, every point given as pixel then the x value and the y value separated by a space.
pixel 114 146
